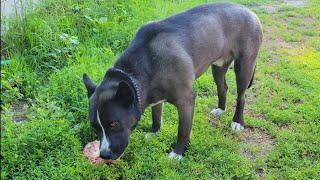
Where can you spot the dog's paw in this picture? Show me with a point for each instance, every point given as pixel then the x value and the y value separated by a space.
pixel 236 126
pixel 173 155
pixel 217 111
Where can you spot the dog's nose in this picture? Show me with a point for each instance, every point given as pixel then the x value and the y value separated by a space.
pixel 106 154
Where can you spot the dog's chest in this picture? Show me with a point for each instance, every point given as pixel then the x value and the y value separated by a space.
pixel 219 62
pixel 223 60
pixel 156 97
pixel 158 102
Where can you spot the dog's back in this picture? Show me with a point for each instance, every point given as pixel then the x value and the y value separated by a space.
pixel 202 34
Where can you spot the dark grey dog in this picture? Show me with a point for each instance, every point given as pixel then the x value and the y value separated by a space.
pixel 161 64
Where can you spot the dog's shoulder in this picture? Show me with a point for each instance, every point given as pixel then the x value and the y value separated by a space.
pixel 150 30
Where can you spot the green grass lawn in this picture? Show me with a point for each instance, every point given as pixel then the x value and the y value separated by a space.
pixel 44 124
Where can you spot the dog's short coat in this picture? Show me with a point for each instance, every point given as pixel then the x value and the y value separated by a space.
pixel 163 61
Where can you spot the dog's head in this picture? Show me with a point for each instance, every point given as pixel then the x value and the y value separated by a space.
pixel 113 113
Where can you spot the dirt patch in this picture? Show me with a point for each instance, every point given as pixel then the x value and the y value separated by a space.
pixel 274 7
pixel 255 144
pixel 273 43
pixel 258 116
pixel 214 121
pixel 20 111
pixel 296 3
pixel 272 38
pixel 270 9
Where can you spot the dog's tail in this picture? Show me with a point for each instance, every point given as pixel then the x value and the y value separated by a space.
pixel 252 77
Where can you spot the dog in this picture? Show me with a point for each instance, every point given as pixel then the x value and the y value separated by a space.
pixel 161 64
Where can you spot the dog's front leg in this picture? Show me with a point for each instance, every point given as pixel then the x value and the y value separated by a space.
pixel 185 107
pixel 156 120
pixel 156 117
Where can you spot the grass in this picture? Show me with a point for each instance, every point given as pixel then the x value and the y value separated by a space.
pixel 51 47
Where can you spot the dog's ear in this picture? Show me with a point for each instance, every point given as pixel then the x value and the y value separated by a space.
pixel 125 94
pixel 89 84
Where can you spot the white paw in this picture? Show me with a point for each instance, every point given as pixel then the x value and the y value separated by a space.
pixel 173 155
pixel 217 111
pixel 236 126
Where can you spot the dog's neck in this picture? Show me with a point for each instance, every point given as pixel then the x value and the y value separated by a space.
pixel 116 72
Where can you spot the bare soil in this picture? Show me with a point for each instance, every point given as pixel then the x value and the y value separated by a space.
pixel 19 111
pixel 274 7
pixel 255 144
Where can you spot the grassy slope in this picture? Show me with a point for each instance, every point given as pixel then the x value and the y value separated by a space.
pixel 46 69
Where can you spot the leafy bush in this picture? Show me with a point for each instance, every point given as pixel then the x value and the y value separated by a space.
pixel 42 48
pixel 9 90
pixel 17 82
pixel 48 38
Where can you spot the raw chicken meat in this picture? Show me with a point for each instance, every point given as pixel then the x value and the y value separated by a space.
pixel 91 152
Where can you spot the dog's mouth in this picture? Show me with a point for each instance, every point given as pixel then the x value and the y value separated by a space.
pixel 120 155
pixel 115 156
pixel 91 152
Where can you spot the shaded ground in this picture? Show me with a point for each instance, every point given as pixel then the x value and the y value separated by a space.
pixel 19 109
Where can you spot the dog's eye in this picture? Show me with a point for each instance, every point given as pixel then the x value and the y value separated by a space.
pixel 114 125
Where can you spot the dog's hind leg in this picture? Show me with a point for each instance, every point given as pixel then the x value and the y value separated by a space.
pixel 243 67
pixel 218 74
